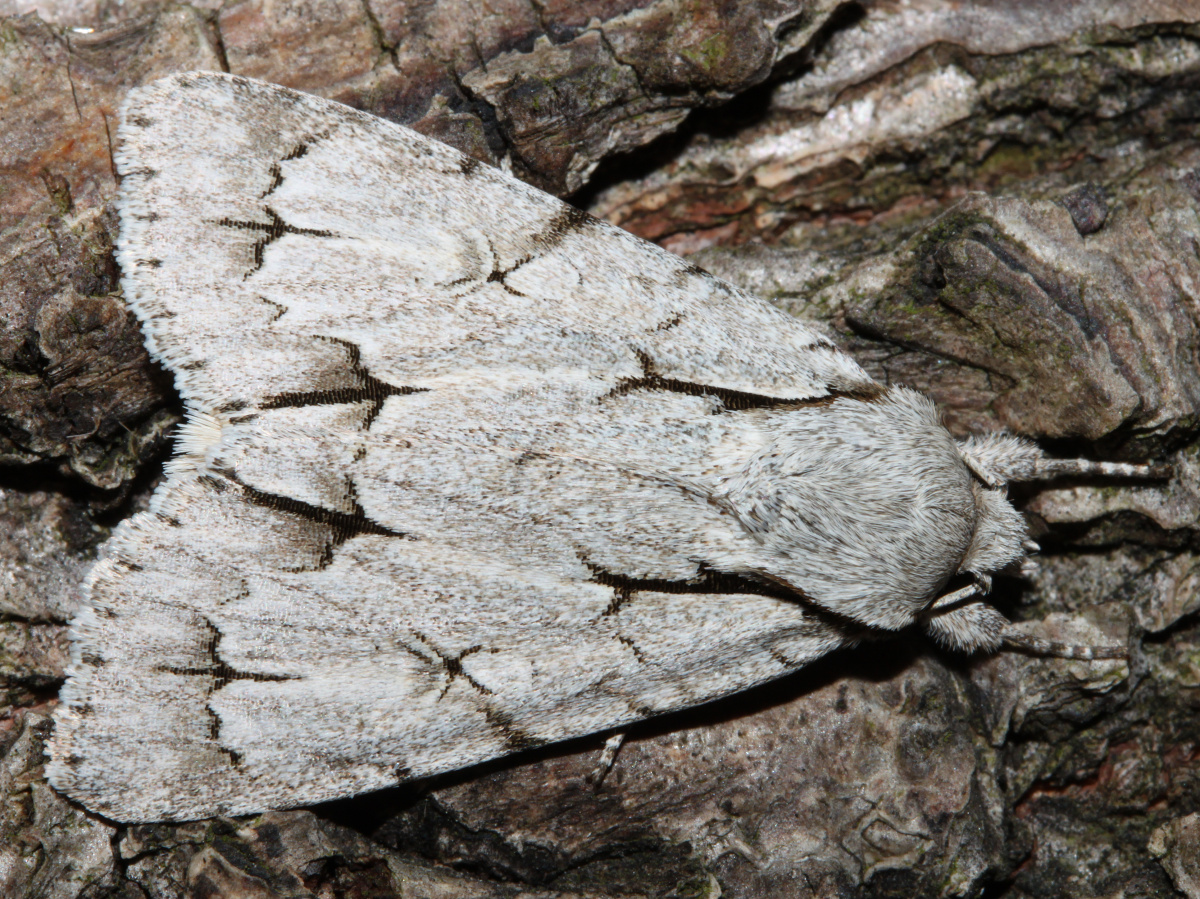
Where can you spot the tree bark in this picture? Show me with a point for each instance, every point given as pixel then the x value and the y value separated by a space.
pixel 996 203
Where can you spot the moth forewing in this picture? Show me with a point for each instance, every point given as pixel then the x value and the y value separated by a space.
pixel 468 471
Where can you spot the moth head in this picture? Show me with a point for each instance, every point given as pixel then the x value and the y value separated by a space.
pixel 999 539
pixel 1000 532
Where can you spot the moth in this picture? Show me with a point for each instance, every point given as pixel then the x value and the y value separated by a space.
pixel 467 471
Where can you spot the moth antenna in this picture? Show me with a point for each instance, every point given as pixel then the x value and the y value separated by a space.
pixel 1053 648
pixel 956 596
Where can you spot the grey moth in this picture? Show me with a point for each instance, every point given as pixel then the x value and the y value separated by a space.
pixel 467 471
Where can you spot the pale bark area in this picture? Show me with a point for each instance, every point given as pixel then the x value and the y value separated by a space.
pixel 997 203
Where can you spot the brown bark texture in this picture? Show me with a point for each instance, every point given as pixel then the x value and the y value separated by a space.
pixel 997 203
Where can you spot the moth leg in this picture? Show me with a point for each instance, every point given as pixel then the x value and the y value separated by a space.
pixel 1058 650
pixel 965 626
pixel 960 624
pixel 999 458
pixel 608 755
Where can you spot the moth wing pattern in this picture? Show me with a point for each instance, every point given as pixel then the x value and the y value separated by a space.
pixel 446 487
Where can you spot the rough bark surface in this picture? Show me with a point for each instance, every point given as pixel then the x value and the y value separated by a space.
pixel 997 203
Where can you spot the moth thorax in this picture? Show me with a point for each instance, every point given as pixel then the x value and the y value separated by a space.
pixel 865 507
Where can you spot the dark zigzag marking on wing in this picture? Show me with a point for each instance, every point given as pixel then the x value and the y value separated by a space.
pixel 369 389
pixel 451 664
pixel 297 152
pixel 736 400
pixel 343 524
pixel 565 222
pixel 272 231
pixel 515 739
pixel 708 581
pixel 221 673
